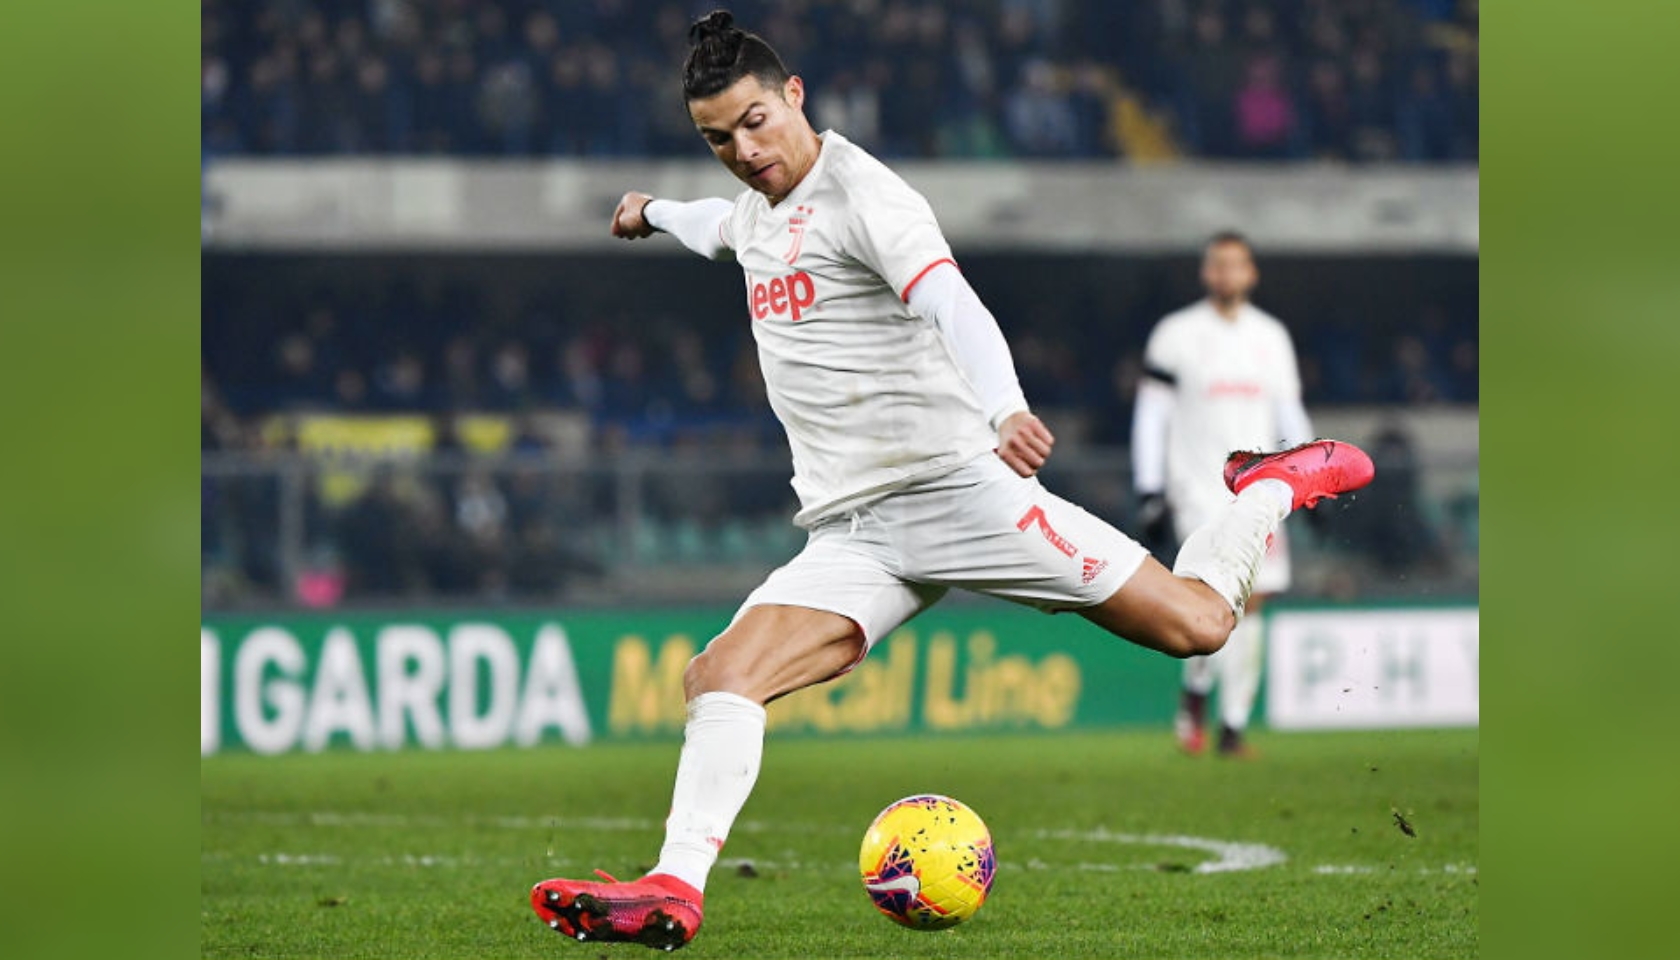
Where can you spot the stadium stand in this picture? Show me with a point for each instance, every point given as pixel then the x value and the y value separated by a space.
pixel 1352 80
pixel 487 428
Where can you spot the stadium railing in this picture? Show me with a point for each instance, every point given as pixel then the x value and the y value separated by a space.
pixel 290 530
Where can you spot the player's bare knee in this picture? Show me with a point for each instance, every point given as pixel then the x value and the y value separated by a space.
pixel 711 672
pixel 1210 629
pixel 1202 630
pixel 1205 640
pixel 695 676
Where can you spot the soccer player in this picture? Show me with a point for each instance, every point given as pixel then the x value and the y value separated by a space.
pixel 914 460
pixel 1219 375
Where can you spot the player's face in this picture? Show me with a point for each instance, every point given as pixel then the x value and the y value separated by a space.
pixel 1228 272
pixel 760 133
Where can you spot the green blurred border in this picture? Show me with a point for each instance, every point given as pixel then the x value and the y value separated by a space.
pixel 1580 337
pixel 99 331
pixel 100 273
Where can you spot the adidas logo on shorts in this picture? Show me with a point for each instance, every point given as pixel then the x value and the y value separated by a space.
pixel 1093 566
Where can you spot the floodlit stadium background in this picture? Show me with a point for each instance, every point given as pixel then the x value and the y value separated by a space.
pixel 433 386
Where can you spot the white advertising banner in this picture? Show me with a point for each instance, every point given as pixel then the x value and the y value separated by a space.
pixel 1329 669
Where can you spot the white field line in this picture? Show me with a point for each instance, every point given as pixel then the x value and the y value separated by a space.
pixel 762 865
pixel 406 821
pixel 1462 869
pixel 1226 855
pixel 281 859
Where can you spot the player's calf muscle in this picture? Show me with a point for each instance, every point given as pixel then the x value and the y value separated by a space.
pixel 1167 613
pixel 1191 636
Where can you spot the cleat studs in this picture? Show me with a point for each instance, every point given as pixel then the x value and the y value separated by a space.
pixel 553 895
pixel 582 936
pixel 554 924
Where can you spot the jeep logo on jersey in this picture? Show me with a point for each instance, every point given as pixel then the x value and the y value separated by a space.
pixel 782 296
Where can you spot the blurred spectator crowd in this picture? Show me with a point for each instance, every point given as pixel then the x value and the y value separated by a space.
pixel 406 341
pixel 530 345
pixel 636 378
pixel 674 375
pixel 1352 80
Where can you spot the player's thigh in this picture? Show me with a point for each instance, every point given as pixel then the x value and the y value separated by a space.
pixel 1006 536
pixel 1050 553
pixel 812 619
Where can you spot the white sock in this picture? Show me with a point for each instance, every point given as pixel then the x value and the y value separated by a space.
pixel 1239 673
pixel 1225 552
pixel 723 744
pixel 1277 490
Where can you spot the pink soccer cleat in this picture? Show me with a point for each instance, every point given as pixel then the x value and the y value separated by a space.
pixel 1321 469
pixel 657 911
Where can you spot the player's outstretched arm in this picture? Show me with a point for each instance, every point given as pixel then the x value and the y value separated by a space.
pixel 701 225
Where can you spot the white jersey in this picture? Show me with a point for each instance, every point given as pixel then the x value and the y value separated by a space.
pixel 867 390
pixel 1229 379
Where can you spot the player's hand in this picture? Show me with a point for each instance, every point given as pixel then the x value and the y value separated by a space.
pixel 1154 523
pixel 1024 443
pixel 628 221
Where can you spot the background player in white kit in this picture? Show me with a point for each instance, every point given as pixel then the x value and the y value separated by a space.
pixel 1219 375
pixel 914 455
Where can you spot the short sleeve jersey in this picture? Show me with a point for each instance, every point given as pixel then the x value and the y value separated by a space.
pixel 867 390
pixel 1228 377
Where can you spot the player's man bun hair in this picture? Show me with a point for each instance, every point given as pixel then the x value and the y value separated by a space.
pixel 722 53
pixel 718 25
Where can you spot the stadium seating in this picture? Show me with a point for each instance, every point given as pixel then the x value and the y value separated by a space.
pixel 1294 79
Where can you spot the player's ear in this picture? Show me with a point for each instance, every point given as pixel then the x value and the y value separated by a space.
pixel 793 92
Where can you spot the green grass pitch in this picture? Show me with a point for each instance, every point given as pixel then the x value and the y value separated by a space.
pixel 1349 844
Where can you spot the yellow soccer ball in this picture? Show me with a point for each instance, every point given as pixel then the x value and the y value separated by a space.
pixel 927 862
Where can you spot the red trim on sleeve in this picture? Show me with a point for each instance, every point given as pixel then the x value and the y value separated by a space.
pixel 925 271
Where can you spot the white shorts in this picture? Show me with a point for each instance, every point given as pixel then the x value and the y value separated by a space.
pixel 980 527
pixel 1274 568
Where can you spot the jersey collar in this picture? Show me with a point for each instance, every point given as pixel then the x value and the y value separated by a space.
pixel 830 140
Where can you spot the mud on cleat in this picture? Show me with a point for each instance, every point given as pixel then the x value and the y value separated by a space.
pixel 1319 470
pixel 657 911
